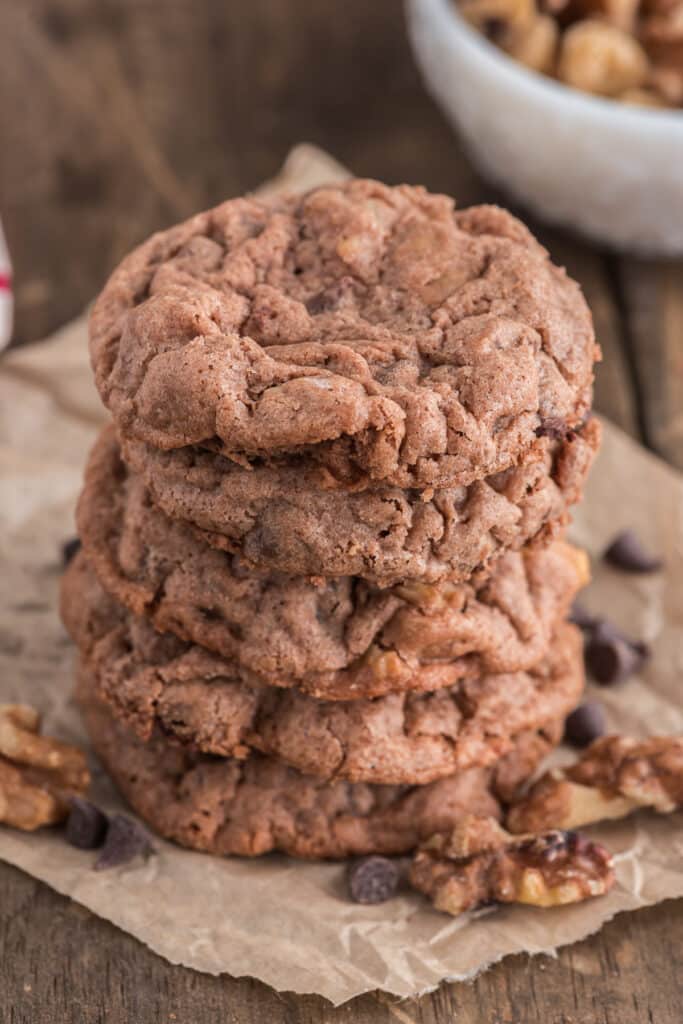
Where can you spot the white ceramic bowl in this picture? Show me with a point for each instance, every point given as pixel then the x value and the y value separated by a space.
pixel 609 170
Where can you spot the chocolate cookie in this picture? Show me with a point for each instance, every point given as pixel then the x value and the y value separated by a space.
pixel 376 331
pixel 339 638
pixel 295 518
pixel 248 808
pixel 153 679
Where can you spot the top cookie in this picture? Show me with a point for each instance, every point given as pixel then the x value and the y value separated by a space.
pixel 377 330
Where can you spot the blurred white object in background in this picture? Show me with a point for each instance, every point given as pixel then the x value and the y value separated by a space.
pixel 6 299
pixel 606 169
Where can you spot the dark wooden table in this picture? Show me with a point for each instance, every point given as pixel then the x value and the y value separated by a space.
pixel 122 116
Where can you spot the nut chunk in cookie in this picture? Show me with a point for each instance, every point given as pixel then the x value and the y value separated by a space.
pixel 616 775
pixel 479 863
pixel 37 773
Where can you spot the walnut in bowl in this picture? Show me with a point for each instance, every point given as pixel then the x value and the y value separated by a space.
pixel 608 169
pixel 628 50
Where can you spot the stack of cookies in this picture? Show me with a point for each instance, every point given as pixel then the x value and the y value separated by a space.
pixel 321 601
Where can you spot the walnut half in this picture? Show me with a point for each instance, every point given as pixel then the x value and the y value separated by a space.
pixel 615 776
pixel 38 774
pixel 479 863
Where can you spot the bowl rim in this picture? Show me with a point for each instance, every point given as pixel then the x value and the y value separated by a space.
pixel 549 89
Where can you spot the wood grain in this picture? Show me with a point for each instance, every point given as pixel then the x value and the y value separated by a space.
pixel 61 965
pixel 126 115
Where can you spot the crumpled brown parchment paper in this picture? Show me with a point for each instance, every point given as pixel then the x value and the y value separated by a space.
pixel 285 922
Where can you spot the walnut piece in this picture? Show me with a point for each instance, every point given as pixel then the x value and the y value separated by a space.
pixel 662 38
pixel 480 863
pixel 38 774
pixel 615 776
pixel 622 13
pixel 668 83
pixel 383 664
pixel 601 58
pixel 536 45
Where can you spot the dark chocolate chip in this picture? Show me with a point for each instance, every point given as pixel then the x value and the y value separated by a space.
pixel 554 428
pixel 611 657
pixel 125 840
pixel 626 552
pixel 86 826
pixel 373 879
pixel 581 617
pixel 610 661
pixel 70 548
pixel 331 298
pixel 605 630
pixel 320 303
pixel 585 724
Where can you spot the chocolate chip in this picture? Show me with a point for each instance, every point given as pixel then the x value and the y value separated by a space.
pixel 627 553
pixel 373 879
pixel 611 657
pixel 605 630
pixel 581 617
pixel 319 303
pixel 125 840
pixel 610 662
pixel 585 724
pixel 331 298
pixel 86 826
pixel 70 548
pixel 554 428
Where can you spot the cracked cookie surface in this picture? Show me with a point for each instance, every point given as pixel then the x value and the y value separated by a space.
pixel 295 518
pixel 379 332
pixel 247 808
pixel 154 680
pixel 337 638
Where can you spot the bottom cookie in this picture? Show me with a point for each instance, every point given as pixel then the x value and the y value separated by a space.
pixel 247 808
